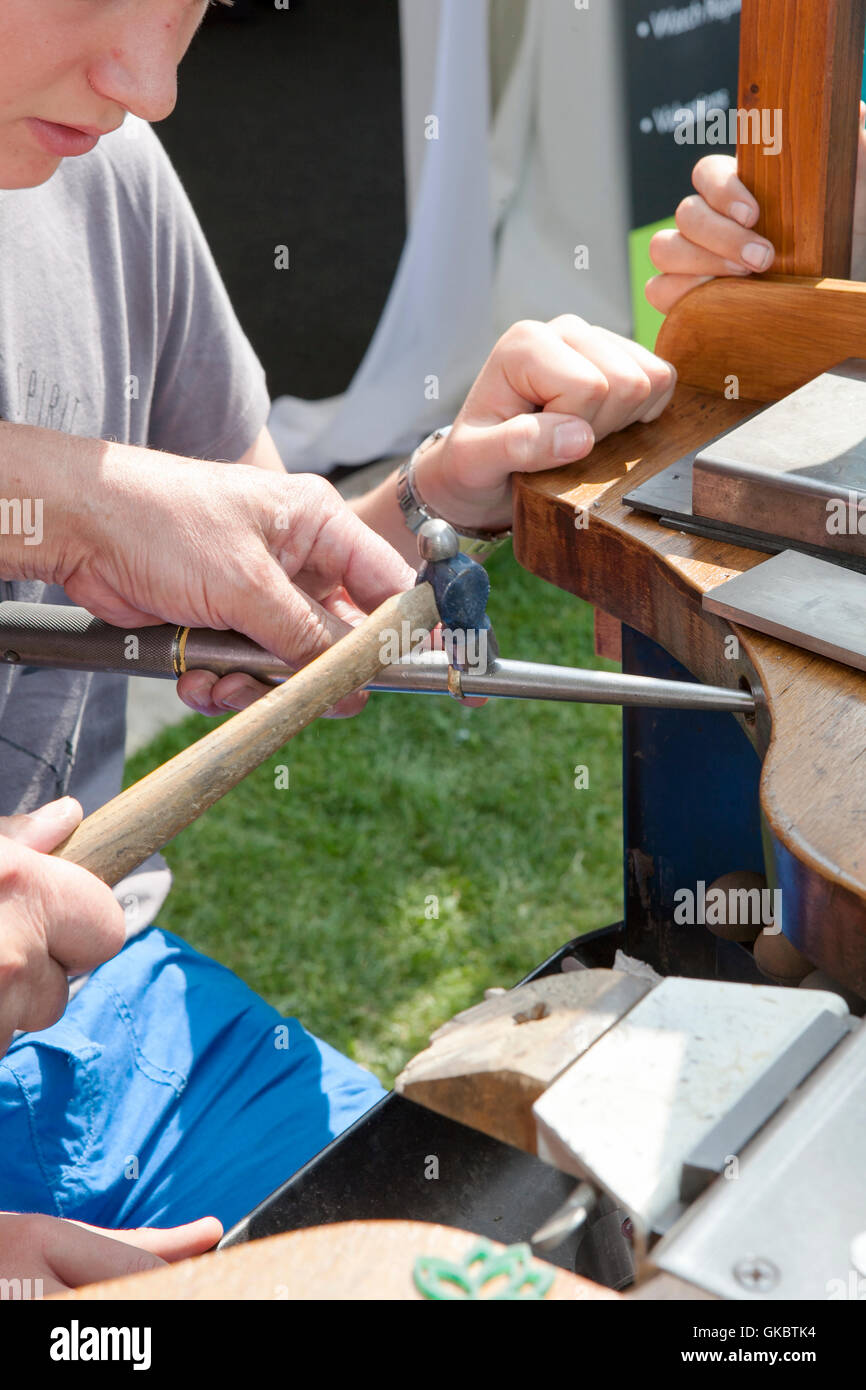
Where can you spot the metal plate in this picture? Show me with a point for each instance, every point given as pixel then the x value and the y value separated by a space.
pixel 811 603
pixel 784 1228
pixel 730 1136
pixel 786 471
pixel 668 498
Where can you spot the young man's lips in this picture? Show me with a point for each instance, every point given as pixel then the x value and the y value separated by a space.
pixel 63 140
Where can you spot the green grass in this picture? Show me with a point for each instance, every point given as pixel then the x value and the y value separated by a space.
pixel 321 895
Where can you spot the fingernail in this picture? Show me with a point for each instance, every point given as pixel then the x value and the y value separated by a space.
pixel 757 256
pixel 733 268
pixel 61 810
pixel 742 213
pixel 570 439
pixel 238 698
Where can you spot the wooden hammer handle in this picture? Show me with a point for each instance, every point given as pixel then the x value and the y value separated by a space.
pixel 127 830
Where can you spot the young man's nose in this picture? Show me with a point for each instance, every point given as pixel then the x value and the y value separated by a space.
pixel 139 71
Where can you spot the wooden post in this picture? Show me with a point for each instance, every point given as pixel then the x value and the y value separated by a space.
pixel 803 59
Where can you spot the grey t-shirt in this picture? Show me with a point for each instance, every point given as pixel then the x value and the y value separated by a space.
pixel 114 324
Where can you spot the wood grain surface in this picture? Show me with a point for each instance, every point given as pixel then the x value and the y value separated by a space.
pixel 358 1260
pixel 803 59
pixel 763 338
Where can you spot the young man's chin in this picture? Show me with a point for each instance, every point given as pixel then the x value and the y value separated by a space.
pixel 26 170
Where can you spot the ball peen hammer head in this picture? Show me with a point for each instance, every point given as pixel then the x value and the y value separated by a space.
pixel 461 586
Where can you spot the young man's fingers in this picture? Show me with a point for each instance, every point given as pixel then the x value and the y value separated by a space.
pixel 629 387
pixel 635 381
pixel 661 375
pixel 535 367
pixel 700 224
pixel 46 827
pixel 167 1244
pixel 34 995
pixel 529 443
pixel 664 291
pixel 673 254
pixel 83 1255
pixel 715 178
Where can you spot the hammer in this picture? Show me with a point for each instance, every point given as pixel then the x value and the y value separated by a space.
pixel 125 831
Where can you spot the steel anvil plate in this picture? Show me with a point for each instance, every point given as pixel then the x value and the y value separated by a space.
pixel 815 605
pixel 798 469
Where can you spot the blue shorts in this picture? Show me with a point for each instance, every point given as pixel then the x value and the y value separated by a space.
pixel 168 1091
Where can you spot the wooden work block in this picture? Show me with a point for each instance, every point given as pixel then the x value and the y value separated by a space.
pixel 349 1260
pixel 630 1111
pixel 489 1064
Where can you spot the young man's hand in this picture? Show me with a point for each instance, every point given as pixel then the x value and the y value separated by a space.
pixel 67 1254
pixel 714 233
pixel 546 394
pixel 55 919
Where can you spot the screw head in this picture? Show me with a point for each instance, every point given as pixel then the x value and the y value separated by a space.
pixel 756 1273
pixel 437 540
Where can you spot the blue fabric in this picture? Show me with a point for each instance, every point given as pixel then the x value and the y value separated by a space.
pixel 168 1091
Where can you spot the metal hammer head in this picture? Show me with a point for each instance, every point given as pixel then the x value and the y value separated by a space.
pixel 461 586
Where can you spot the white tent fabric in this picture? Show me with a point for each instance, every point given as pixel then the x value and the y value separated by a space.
pixel 558 173
pixel 495 219
pixel 435 327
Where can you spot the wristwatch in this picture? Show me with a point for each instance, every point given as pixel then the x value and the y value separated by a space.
pixel 478 544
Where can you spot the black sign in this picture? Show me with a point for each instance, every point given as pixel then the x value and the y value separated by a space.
pixel 679 57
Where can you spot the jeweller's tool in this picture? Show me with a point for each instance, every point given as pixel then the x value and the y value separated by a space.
pixel 35 634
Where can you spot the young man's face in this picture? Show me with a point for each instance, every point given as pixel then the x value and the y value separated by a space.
pixel 71 69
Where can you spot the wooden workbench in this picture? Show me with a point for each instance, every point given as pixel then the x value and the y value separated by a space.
pixel 810 731
pixel 755 340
